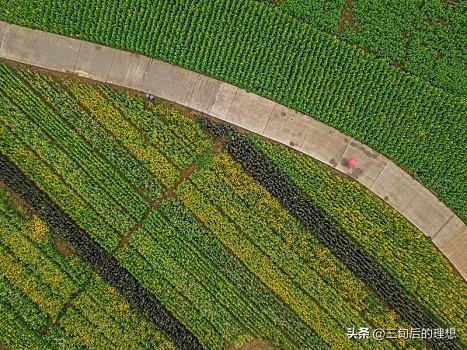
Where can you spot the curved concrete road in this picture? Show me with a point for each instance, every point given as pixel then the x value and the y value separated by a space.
pixel 249 111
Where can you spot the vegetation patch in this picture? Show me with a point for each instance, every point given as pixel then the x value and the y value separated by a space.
pixel 417 125
pixel 258 345
pixel 330 235
pixel 424 38
pixel 51 301
pixel 171 220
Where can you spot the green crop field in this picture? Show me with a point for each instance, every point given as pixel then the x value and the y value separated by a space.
pixel 51 299
pixel 131 224
pixel 424 38
pixel 281 50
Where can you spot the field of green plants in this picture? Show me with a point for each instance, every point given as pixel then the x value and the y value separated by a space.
pixel 51 299
pixel 154 229
pixel 425 38
pixel 417 120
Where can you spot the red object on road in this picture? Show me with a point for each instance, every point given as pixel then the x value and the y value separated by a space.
pixel 352 162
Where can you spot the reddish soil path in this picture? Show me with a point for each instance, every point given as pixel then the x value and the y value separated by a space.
pixel 184 174
pixel 257 344
pixel 346 19
pixel 135 228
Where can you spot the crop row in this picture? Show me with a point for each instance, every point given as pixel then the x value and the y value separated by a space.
pixel 36 283
pixel 322 15
pixel 100 317
pixel 71 156
pixel 300 268
pixel 221 266
pixel 422 39
pixel 271 245
pixel 17 330
pixel 333 237
pixel 169 240
pixel 33 280
pixel 34 167
pixel 54 179
pixel 182 278
pixel 35 145
pixel 225 178
pixel 180 137
pixel 215 254
pixel 12 145
pixel 110 150
pixel 245 249
pixel 31 122
pixel 384 234
pixel 91 252
pixel 73 179
pixel 180 306
pixel 420 127
pixel 156 162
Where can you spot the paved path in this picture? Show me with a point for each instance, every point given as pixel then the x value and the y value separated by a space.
pixel 251 112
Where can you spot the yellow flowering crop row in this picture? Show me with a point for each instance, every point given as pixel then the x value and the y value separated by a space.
pixel 76 206
pixel 16 333
pixel 263 267
pixel 112 120
pixel 178 136
pixel 270 212
pixel 36 281
pixel 201 252
pixel 168 293
pixel 113 153
pixel 100 316
pixel 384 233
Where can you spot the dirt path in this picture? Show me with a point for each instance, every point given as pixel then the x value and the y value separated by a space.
pixel 346 19
pixel 258 345
pixel 69 303
pixel 184 174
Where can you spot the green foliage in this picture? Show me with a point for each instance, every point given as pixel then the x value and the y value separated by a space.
pixel 101 318
pixel 218 250
pixel 181 138
pixel 420 127
pixel 424 38
pixel 129 136
pixel 324 14
pixel 427 39
pixel 385 234
pixel 36 282
pixel 93 133
pixel 227 187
